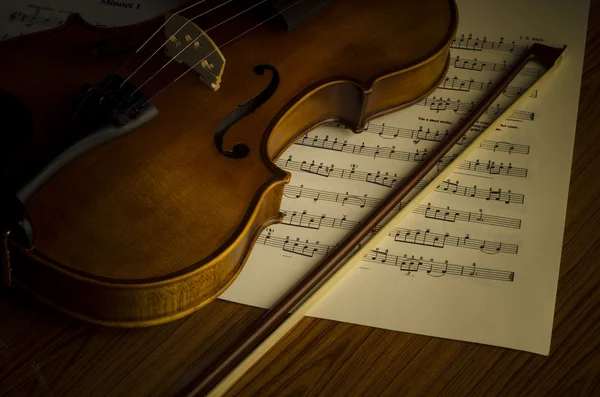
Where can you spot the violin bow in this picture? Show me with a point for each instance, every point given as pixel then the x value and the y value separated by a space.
pixel 255 342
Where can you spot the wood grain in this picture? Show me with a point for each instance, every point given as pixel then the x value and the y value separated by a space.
pixel 43 352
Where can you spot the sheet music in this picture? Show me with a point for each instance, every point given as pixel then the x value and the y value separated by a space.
pixel 18 17
pixel 479 259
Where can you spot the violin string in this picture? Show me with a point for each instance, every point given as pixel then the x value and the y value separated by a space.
pixel 223 45
pixel 154 34
pixel 166 41
pixel 192 42
pixel 167 21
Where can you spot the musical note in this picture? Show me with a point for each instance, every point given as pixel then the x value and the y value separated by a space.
pixel 496 195
pixel 312 168
pixel 505 147
pixel 418 237
pixel 441 214
pixel 480 219
pixel 301 248
pixel 473 271
pixel 382 179
pixel 304 220
pixel 450 187
pixel 409 265
pixel 378 256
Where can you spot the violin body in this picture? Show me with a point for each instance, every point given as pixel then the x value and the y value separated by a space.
pixel 155 224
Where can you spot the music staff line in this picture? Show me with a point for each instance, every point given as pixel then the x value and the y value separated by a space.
pixel 492 168
pixel 376 178
pixel 450 215
pixel 297 246
pixel 477 44
pixel 493 112
pixel 479 66
pixel 438 240
pixel 389 180
pixel 410 236
pixel 309 249
pixel 384 152
pixel 34 19
pixel 389 132
pixel 456 84
pixel 506 197
pixel 432 267
pixel 430 212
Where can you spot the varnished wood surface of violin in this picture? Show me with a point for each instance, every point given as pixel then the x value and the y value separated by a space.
pixel 154 225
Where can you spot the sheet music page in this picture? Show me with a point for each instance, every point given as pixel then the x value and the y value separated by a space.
pixel 19 17
pixel 479 259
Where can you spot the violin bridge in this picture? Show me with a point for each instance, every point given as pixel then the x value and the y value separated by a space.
pixel 189 44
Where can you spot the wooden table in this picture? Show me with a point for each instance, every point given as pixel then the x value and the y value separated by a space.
pixel 43 352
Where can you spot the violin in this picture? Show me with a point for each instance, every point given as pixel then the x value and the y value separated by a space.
pixel 139 161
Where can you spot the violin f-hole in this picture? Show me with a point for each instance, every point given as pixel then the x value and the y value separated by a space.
pixel 241 150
